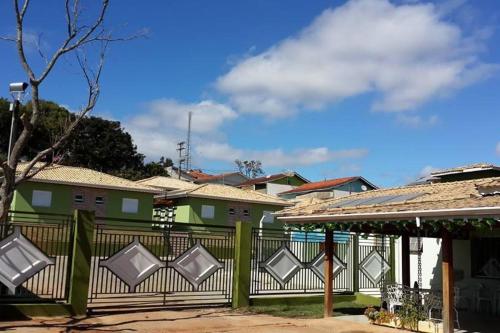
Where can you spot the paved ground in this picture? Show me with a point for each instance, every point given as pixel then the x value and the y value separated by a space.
pixel 200 321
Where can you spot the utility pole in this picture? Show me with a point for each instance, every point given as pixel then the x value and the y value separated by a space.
pixel 180 149
pixel 188 145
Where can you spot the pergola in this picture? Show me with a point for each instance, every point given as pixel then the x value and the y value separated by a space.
pixel 447 211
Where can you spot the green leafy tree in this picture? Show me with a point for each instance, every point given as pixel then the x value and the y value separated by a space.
pixel 251 169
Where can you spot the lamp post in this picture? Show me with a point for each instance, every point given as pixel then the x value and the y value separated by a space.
pixel 17 90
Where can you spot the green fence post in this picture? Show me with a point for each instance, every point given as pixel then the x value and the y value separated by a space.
pixel 242 260
pixel 355 263
pixel 392 259
pixel 84 223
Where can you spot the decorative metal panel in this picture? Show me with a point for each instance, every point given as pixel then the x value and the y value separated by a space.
pixel 20 259
pixel 318 265
pixel 282 265
pixel 196 264
pixel 371 266
pixel 133 264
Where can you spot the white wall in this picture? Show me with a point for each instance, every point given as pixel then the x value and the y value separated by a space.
pixel 274 189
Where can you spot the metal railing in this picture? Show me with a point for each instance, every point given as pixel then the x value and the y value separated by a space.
pixel 306 247
pixel 166 242
pixel 52 235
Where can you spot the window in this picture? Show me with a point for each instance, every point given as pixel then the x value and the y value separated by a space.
pixel 130 205
pixel 232 211
pixel 485 257
pixel 207 212
pixel 41 198
pixel 79 198
pixel 246 212
pixel 99 200
pixel 267 217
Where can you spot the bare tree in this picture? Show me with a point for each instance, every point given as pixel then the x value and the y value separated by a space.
pixel 78 35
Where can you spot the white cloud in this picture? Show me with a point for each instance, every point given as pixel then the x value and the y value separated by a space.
pixel 208 115
pixel 498 148
pixel 163 123
pixel 277 157
pixel 406 54
pixel 417 121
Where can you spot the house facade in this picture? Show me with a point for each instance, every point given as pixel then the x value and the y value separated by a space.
pixel 274 184
pixel 332 188
pixel 61 189
pixel 217 204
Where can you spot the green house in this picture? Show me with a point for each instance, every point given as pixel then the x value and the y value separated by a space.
pixel 224 205
pixel 61 189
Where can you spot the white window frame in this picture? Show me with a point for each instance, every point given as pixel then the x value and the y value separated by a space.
pixel 207 211
pixel 130 205
pixel 100 202
pixel 267 216
pixel 41 198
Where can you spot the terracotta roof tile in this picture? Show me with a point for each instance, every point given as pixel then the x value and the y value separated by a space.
pixel 320 185
pixel 449 195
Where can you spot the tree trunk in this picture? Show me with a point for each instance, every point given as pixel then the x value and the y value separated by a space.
pixel 6 193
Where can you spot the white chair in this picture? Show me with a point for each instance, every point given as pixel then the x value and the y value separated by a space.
pixel 480 295
pixel 394 296
pixel 459 299
pixel 434 306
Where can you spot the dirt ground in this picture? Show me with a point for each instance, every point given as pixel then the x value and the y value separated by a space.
pixel 199 321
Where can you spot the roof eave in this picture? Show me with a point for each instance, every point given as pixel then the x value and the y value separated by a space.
pixel 435 213
pixel 107 187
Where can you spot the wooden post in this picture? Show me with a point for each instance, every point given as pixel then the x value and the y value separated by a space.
pixel 328 305
pixel 447 263
pixel 242 263
pixel 405 260
pixel 355 263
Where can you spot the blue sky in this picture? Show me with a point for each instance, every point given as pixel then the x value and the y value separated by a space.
pixel 384 89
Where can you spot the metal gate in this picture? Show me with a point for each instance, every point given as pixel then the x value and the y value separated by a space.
pixel 292 262
pixel 142 264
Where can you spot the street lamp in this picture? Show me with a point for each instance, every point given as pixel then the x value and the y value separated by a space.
pixel 17 90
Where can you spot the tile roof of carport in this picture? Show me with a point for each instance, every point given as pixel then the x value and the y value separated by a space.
pixel 460 198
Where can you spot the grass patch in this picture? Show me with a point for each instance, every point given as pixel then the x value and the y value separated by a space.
pixel 314 310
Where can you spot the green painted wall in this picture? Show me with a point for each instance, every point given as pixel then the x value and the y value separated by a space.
pixel 294 181
pixel 189 211
pixel 62 201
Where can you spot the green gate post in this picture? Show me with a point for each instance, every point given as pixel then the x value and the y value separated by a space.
pixel 242 263
pixel 392 259
pixel 81 259
pixel 355 265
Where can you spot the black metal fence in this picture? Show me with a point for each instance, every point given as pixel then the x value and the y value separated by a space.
pixel 194 264
pixel 29 237
pixel 366 248
pixel 307 248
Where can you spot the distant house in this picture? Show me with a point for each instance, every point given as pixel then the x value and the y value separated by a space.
pixel 231 178
pixel 274 184
pixel 332 188
pixel 223 205
pixel 200 177
pixel 468 172
pixel 61 189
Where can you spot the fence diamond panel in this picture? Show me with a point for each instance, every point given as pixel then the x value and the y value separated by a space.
pixel 196 264
pixel 292 262
pixel 133 264
pixel 20 259
pixel 371 252
pixel 318 265
pixel 136 264
pixel 35 255
pixel 283 265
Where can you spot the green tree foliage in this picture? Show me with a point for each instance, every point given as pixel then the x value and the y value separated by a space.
pixel 97 143
pixel 251 169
